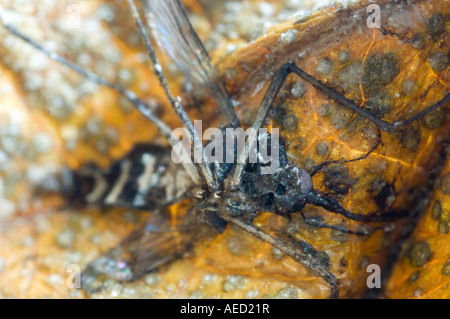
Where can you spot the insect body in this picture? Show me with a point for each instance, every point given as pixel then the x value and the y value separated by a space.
pixel 222 194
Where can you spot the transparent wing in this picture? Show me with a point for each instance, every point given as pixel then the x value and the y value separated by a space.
pixel 154 244
pixel 172 29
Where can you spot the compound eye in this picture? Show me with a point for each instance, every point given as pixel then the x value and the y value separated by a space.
pixel 305 181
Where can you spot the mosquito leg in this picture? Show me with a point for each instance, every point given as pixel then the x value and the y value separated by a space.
pixel 272 92
pixel 234 178
pixel 326 163
pixel 421 114
pixel 169 20
pixel 320 224
pixel 333 206
pixel 130 95
pixel 141 106
pixel 383 125
pixel 176 106
pixel 303 255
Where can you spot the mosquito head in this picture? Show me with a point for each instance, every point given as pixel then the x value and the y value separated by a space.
pixel 293 184
pixel 296 179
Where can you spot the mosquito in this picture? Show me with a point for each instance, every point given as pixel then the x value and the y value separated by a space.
pixel 221 194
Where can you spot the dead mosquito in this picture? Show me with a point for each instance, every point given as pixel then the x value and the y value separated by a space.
pixel 147 178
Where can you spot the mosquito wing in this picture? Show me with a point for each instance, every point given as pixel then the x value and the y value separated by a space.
pixel 146 178
pixel 153 245
pixel 172 29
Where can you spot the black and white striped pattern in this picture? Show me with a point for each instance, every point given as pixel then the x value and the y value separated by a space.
pixel 146 178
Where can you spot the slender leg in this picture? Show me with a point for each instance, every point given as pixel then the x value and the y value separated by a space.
pixel 306 256
pixel 383 125
pixel 141 106
pixel 333 206
pixel 182 44
pixel 320 224
pixel 176 105
pixel 275 86
pixel 130 95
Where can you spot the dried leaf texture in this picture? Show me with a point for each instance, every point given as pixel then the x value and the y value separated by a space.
pixel 423 269
pixel 377 68
pixel 394 72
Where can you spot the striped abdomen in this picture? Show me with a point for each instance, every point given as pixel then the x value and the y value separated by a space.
pixel 145 178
